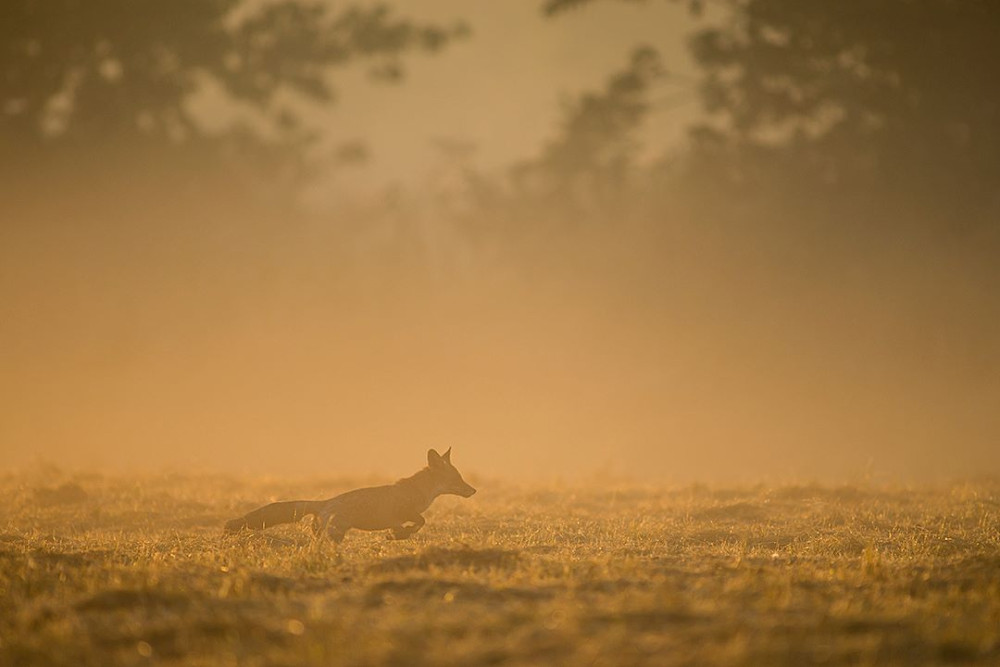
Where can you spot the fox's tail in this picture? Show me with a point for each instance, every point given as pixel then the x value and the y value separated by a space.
pixel 288 511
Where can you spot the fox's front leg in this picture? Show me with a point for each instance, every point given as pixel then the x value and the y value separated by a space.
pixel 408 527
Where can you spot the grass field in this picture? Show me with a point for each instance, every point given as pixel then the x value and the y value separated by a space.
pixel 98 570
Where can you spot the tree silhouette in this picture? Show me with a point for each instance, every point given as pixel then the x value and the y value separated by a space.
pixel 121 74
pixel 553 7
pixel 587 164
pixel 872 101
pixel 883 99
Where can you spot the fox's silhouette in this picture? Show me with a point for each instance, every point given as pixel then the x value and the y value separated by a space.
pixel 396 507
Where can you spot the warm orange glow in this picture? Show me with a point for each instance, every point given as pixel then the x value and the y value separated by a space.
pixel 150 322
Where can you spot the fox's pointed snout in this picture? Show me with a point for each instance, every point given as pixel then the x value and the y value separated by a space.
pixel 467 491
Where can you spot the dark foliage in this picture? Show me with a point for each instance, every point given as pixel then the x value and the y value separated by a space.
pixel 88 78
pixel 879 99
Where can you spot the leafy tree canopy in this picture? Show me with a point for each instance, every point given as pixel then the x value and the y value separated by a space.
pixel 885 93
pixel 882 100
pixel 86 74
pixel 553 7
pixel 588 162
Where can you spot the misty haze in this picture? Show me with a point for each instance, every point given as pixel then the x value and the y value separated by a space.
pixel 678 282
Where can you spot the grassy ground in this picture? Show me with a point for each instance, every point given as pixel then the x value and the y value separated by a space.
pixel 117 571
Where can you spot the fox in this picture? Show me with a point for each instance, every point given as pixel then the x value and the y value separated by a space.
pixel 395 507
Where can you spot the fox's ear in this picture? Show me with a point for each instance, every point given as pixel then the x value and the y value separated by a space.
pixel 433 458
pixel 447 455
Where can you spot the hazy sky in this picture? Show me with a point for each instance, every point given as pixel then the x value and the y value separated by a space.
pixel 137 336
pixel 501 89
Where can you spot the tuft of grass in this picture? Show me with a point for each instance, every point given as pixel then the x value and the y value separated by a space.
pixel 100 570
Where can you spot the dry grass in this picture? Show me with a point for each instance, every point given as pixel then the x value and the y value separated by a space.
pixel 116 571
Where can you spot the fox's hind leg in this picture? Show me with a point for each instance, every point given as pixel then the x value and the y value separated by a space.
pixel 336 533
pixel 326 523
pixel 404 530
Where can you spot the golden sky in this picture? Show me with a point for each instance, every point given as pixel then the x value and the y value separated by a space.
pixel 672 353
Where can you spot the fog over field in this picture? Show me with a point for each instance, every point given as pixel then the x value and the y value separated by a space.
pixel 677 322
pixel 616 240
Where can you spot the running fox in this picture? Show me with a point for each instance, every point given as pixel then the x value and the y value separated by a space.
pixel 395 507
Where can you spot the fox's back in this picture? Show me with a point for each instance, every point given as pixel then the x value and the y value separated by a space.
pixel 376 507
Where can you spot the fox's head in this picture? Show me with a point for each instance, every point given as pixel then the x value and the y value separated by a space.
pixel 447 475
